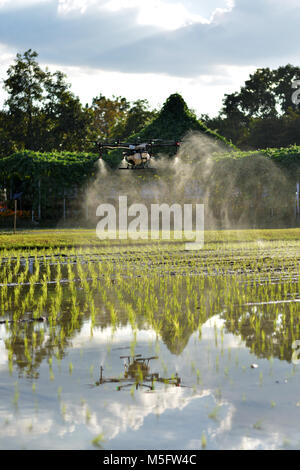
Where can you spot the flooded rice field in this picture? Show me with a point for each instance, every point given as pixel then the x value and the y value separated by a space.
pixel 151 347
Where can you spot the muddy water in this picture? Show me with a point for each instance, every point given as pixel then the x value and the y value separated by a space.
pixel 51 397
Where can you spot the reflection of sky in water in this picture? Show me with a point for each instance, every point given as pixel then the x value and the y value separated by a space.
pixel 236 406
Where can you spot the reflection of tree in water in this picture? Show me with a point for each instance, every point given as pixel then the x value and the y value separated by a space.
pixel 30 342
pixel 173 306
pixel 175 342
pixel 176 334
pixel 115 305
pixel 28 347
pixel 266 332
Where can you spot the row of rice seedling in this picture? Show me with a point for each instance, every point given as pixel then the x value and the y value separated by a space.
pixel 171 291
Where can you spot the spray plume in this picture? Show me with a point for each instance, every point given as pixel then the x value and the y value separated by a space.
pixel 238 192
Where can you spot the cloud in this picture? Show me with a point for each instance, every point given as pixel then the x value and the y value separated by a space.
pixel 16 4
pixel 168 16
pixel 250 33
pixel 128 48
pixel 120 36
pixel 73 38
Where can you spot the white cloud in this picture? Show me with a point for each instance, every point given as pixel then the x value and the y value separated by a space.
pixel 165 15
pixel 68 6
pixel 16 4
pixel 154 36
pixel 239 36
pixel 157 13
pixel 151 49
pixel 203 93
pixel 168 16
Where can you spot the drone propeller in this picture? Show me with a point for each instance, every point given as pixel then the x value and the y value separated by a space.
pixel 121 144
pixel 129 357
pixel 147 358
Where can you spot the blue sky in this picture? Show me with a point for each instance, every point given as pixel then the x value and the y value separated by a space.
pixel 201 49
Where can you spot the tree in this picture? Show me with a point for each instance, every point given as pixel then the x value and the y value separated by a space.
pixel 107 114
pixel 255 99
pixel 137 117
pixel 267 93
pixel 7 145
pixel 24 86
pixel 173 122
pixel 66 121
pixel 283 78
pixel 41 111
pixel 256 115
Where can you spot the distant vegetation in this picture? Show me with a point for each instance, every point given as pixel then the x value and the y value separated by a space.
pixel 262 114
pixel 48 153
pixel 42 114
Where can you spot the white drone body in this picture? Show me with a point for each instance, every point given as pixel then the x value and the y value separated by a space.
pixel 138 155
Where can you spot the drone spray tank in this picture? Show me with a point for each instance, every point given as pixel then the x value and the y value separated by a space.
pixel 137 155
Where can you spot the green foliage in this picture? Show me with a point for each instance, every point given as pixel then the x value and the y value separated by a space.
pixel 107 114
pixel 266 93
pixel 262 114
pixel 117 118
pixel 62 168
pixel 46 176
pixel 138 116
pixel 260 133
pixel 25 90
pixel 173 122
pixel 287 158
pixel 7 145
pixel 40 112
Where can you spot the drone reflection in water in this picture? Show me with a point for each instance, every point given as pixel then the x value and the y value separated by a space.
pixel 137 373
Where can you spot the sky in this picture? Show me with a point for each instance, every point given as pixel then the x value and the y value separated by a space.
pixel 138 49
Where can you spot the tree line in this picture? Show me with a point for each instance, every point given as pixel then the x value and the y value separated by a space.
pixel 262 114
pixel 42 114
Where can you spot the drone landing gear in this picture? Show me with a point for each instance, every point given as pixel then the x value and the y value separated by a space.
pixel 137 374
pixel 137 385
pixel 134 168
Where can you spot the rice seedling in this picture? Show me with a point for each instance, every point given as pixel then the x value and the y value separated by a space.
pixel 98 441
pixel 16 395
pixel 258 425
pixel 88 415
pixel 63 410
pixel 214 413
pixel 161 289
pixel 203 441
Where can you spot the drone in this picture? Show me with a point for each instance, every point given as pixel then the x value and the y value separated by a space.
pixel 137 373
pixel 136 155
